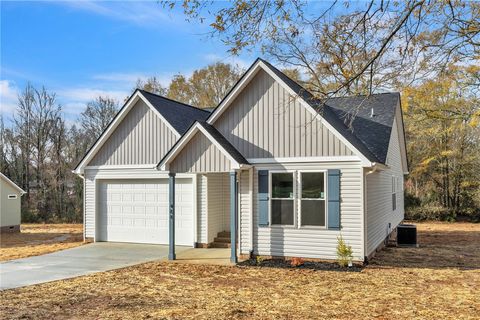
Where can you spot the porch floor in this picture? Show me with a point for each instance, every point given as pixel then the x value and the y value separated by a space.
pixel 216 256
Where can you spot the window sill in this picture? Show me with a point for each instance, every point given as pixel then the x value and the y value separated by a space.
pixel 279 226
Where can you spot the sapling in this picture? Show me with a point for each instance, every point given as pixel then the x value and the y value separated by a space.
pixel 344 253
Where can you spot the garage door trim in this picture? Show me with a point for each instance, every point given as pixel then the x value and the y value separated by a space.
pixel 102 178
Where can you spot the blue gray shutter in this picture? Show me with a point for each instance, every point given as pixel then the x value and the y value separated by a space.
pixel 334 199
pixel 262 198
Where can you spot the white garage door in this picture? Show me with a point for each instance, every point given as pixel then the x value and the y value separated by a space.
pixel 137 211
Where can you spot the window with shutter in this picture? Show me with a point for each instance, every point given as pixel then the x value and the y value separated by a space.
pixel 333 199
pixel 263 199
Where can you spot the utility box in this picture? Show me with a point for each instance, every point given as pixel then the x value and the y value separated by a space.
pixel 407 235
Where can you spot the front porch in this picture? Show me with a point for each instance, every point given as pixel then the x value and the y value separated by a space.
pixel 205 152
pixel 217 219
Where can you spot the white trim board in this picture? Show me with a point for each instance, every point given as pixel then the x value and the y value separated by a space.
pixel 127 166
pixel 115 123
pixel 303 159
pixel 164 164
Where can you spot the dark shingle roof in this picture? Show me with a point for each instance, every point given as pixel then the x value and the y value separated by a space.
pixel 234 153
pixel 372 131
pixel 179 115
pixel 370 135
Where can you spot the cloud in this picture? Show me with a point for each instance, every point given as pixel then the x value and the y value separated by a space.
pixel 74 100
pixel 128 80
pixel 8 97
pixel 141 13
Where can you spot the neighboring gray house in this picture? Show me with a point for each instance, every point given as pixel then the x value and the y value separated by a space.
pixel 272 168
pixel 10 205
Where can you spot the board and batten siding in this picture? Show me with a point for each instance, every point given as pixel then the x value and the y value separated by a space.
pixel 265 121
pixel 311 242
pixel 218 204
pixel 379 196
pixel 89 202
pixel 200 155
pixel 141 138
pixel 202 212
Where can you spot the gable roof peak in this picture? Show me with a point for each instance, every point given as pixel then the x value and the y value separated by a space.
pixel 172 100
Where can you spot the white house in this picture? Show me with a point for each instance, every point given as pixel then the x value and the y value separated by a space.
pixel 273 169
pixel 10 205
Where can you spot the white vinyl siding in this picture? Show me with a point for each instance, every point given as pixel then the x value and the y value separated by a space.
pixel 264 121
pixel 218 204
pixel 202 224
pixel 379 196
pixel 314 242
pixel 141 138
pixel 245 207
pixel 89 202
pixel 9 207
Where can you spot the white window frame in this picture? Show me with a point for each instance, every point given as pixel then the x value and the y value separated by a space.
pixel 394 192
pixel 325 198
pixel 294 199
pixel 12 197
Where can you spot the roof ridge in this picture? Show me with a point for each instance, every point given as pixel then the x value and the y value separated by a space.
pixel 366 95
pixel 313 96
pixel 285 75
pixel 166 98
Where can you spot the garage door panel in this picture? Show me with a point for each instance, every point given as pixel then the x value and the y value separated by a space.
pixel 138 211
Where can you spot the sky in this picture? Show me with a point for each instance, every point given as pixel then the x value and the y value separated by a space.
pixel 81 50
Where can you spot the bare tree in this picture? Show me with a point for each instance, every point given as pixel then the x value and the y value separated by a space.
pixel 345 47
pixel 152 85
pixel 206 87
pixel 97 116
pixel 44 115
pixel 24 134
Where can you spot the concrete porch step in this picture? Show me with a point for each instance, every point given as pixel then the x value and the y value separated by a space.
pixel 224 234
pixel 222 240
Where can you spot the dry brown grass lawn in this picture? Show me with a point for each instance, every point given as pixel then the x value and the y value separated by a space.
pixel 37 239
pixel 440 280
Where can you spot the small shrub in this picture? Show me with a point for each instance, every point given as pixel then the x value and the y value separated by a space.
pixel 28 216
pixel 344 252
pixel 258 260
pixel 296 262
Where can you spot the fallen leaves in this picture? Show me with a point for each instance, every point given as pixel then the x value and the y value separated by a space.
pixel 426 282
pixel 37 239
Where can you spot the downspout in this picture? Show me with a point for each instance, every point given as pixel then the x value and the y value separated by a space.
pixel 250 181
pixel 82 175
pixel 365 208
pixel 84 203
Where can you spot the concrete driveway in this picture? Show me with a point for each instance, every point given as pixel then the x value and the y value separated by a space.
pixel 70 263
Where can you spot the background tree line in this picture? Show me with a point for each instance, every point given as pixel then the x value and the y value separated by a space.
pixel 428 50
pixel 39 149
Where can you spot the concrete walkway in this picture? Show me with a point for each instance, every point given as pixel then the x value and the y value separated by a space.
pixel 86 259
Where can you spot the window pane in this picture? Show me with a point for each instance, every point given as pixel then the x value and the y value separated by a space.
pixel 282 212
pixel 282 185
pixel 313 185
pixel 313 213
